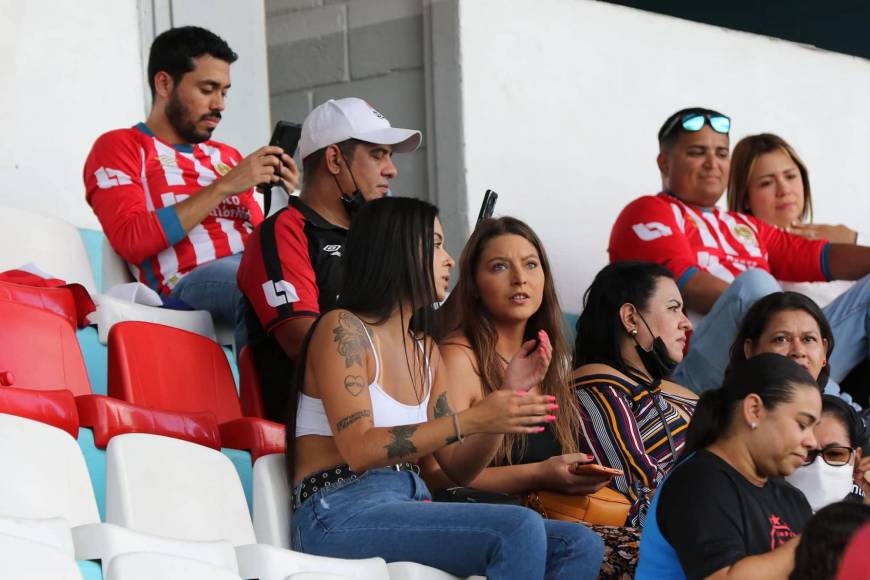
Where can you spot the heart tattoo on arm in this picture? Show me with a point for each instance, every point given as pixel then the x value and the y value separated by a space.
pixel 354 384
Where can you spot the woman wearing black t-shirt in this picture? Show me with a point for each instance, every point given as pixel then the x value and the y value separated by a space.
pixel 725 511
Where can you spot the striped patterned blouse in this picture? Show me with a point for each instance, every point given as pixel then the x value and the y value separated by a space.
pixel 622 429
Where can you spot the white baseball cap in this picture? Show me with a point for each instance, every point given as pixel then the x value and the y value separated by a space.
pixel 338 120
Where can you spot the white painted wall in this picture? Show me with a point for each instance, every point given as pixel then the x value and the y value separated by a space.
pixel 562 100
pixel 245 124
pixel 71 70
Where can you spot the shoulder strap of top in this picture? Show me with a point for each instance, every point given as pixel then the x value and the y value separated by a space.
pixel 375 354
pixel 420 344
pixel 369 334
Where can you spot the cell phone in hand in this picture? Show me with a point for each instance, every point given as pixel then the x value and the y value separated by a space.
pixel 286 136
pixel 594 469
pixel 488 205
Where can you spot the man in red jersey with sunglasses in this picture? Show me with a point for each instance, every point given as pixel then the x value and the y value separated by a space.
pixel 724 261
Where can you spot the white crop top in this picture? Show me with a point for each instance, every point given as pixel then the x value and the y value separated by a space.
pixel 386 411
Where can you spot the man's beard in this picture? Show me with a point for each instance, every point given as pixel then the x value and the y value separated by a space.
pixel 179 117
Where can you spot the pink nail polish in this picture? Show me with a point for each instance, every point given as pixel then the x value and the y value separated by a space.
pixel 550 418
pixel 540 429
pixel 551 398
pixel 552 407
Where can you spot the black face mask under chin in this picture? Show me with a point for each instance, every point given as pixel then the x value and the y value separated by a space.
pixel 353 202
pixel 657 361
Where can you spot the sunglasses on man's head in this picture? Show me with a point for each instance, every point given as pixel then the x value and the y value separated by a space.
pixel 833 456
pixel 694 122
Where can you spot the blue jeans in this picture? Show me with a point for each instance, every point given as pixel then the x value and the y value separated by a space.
pixel 213 287
pixel 704 364
pixel 390 514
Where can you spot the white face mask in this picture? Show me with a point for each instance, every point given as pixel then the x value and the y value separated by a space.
pixel 822 484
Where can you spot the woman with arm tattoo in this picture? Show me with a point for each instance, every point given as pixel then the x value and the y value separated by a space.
pixel 372 400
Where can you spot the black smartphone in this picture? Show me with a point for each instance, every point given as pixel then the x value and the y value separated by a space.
pixel 286 136
pixel 488 205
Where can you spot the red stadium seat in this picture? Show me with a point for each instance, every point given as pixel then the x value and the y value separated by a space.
pixel 38 349
pixel 39 352
pixel 161 367
pixel 249 385
pixel 57 300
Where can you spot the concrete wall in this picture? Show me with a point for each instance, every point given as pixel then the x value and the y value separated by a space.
pixel 372 49
pixel 562 99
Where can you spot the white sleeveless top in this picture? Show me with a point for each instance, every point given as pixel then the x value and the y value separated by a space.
pixel 386 411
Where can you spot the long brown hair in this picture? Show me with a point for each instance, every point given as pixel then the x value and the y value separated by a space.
pixel 743 159
pixel 466 315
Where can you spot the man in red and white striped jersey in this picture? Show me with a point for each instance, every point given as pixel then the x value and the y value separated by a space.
pixel 177 206
pixel 724 261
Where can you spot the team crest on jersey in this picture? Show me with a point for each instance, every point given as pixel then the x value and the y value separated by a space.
pixel 222 168
pixel 745 234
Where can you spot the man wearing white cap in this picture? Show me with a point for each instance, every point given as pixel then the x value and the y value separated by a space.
pixel 291 269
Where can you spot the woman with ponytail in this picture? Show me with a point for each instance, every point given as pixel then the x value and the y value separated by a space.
pixel 725 510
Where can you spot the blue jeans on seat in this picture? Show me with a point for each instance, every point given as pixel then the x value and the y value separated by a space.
pixel 704 364
pixel 389 514
pixel 213 287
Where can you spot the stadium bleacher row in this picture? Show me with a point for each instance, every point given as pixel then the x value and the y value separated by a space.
pixel 128 452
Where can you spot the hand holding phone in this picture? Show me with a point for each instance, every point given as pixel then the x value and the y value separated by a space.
pixel 594 469
pixel 286 136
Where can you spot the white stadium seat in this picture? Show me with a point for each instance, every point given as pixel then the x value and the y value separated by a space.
pixel 317 576
pixel 48 489
pixel 53 245
pixel 25 559
pixel 271 493
pixel 111 310
pixel 151 566
pixel 272 510
pixel 173 488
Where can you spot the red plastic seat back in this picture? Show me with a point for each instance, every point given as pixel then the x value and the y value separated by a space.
pixel 39 350
pixel 162 367
pixel 57 300
pixel 249 385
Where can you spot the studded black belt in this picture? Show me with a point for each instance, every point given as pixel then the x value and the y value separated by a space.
pixel 314 482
